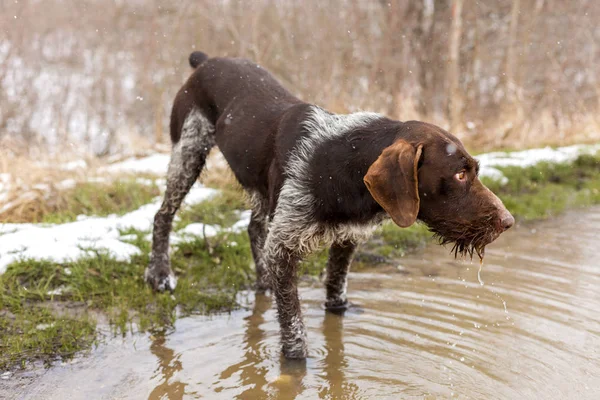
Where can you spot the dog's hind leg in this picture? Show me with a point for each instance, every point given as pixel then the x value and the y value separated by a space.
pixel 187 160
pixel 338 265
pixel 257 231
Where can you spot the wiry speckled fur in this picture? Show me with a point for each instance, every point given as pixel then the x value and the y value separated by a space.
pixel 187 160
pixel 296 204
pixel 293 232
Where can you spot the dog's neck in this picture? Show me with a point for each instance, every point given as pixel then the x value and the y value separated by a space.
pixel 335 178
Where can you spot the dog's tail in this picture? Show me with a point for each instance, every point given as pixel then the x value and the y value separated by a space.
pixel 197 58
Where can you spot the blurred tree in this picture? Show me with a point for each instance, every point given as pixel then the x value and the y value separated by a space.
pixel 494 72
pixel 455 96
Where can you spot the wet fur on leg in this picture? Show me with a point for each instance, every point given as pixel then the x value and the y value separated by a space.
pixel 336 281
pixel 187 160
pixel 282 264
pixel 257 231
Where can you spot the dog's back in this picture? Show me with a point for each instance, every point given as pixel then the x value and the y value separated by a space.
pixel 223 85
pixel 244 104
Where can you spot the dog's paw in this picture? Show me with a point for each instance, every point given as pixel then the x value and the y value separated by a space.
pixel 160 281
pixel 342 309
pixel 337 306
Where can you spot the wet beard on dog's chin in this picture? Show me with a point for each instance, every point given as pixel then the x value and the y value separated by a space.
pixel 467 239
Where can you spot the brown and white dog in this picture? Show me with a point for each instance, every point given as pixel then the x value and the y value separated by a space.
pixel 316 178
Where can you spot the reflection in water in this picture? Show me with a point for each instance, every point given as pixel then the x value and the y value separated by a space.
pixel 289 385
pixel 335 363
pixel 251 369
pixel 168 364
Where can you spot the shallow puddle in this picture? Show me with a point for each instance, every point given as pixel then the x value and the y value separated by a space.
pixel 423 329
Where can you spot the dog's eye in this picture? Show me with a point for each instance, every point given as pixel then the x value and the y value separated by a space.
pixel 461 176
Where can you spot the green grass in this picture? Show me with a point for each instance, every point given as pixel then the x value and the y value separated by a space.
pixel 545 190
pixel 36 333
pixel 209 276
pixel 393 242
pixel 314 264
pixel 210 271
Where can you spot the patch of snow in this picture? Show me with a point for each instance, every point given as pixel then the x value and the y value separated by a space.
pixel 161 183
pixel 145 181
pixel 10 228
pixel 158 164
pixel 172 281
pixel 73 165
pixel 66 184
pixel 493 173
pixel 84 237
pixel 128 238
pixel 56 292
pixel 198 196
pixel 97 179
pixel 243 222
pixel 154 164
pixel 490 161
pixel 199 229
pixel 62 185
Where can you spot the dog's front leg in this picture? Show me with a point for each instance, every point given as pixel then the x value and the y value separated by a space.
pixel 282 266
pixel 340 257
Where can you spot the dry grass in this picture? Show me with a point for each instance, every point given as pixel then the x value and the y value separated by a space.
pixel 41 189
pixel 36 183
pixel 513 129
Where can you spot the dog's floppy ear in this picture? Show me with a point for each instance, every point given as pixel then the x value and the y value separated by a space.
pixel 392 181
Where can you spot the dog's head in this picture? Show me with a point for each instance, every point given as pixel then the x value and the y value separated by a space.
pixel 428 175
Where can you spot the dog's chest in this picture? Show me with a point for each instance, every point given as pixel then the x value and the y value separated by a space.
pixel 351 231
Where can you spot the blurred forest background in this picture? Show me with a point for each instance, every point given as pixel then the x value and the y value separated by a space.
pixel 101 75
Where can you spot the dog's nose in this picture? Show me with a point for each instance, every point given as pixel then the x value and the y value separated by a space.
pixel 507 221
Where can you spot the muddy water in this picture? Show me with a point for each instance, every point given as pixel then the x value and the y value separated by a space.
pixel 423 329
